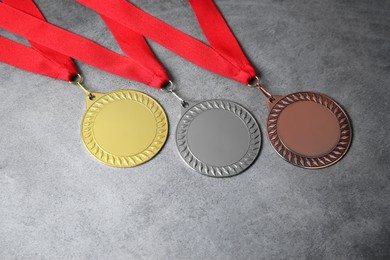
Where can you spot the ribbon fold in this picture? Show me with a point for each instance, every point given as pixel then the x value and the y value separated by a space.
pixel 52 48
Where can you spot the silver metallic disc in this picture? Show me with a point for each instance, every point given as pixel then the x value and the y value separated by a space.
pixel 218 138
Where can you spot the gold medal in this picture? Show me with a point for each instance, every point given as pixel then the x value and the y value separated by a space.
pixel 120 129
pixel 124 128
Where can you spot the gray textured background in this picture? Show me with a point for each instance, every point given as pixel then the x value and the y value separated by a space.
pixel 56 202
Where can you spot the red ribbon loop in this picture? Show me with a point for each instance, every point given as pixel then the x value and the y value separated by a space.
pixel 52 48
pixel 225 56
pixel 37 59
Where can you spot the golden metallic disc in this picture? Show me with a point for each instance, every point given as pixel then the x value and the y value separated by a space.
pixel 124 128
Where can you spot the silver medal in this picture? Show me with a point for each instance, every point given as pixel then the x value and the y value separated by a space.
pixel 218 138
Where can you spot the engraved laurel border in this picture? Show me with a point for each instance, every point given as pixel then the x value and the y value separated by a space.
pixel 218 171
pixel 310 162
pixel 124 161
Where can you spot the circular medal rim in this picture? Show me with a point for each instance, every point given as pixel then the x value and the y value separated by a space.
pixel 218 171
pixel 151 151
pixel 296 159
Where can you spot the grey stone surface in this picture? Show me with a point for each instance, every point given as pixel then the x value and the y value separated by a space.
pixel 56 202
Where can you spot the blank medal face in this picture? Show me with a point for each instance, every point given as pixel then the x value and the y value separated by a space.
pixel 124 128
pixel 218 138
pixel 309 130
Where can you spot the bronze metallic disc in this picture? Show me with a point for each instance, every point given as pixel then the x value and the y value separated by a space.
pixel 309 130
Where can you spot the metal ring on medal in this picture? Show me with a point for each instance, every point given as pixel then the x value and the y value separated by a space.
pixel 309 130
pixel 218 138
pixel 124 128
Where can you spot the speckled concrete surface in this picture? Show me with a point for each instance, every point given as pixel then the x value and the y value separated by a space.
pixel 56 202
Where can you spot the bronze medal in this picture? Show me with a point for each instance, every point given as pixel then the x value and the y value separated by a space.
pixel 307 129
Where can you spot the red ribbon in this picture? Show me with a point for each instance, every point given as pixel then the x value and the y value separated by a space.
pixel 52 47
pixel 224 55
pixel 37 59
